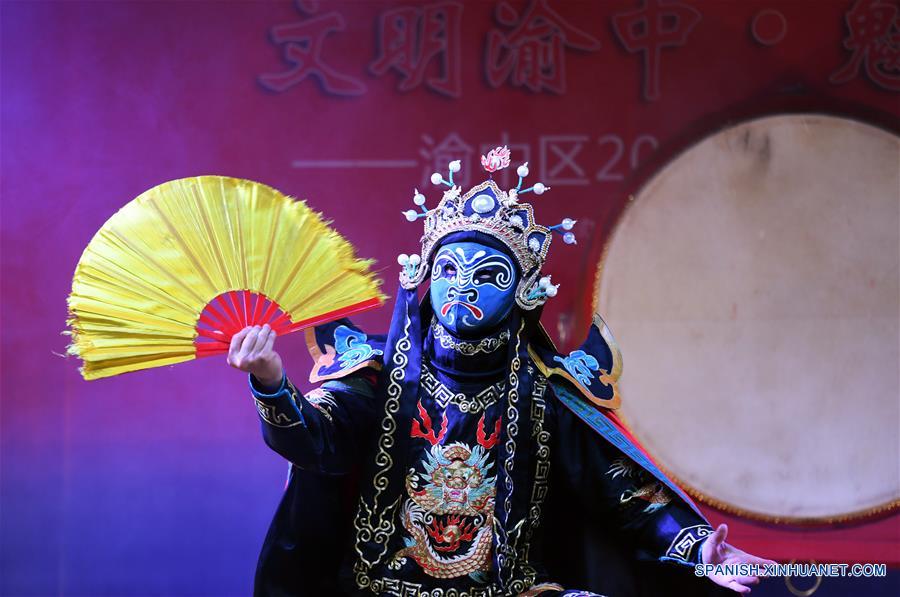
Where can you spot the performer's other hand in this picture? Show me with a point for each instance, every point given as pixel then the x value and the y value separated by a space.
pixel 716 551
pixel 252 350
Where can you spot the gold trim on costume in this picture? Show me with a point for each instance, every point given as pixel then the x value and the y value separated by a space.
pixel 485 345
pixel 269 413
pixel 384 518
pixel 466 404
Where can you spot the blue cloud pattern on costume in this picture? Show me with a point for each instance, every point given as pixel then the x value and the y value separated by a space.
pixel 352 347
pixel 580 365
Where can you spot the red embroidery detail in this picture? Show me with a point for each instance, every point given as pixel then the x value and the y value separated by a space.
pixel 487 442
pixel 453 532
pixel 428 434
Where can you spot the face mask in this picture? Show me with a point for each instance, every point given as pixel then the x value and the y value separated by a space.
pixel 472 287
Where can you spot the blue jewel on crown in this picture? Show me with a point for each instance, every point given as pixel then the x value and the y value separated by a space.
pixel 488 209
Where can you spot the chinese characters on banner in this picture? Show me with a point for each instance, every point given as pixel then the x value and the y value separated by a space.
pixel 874 41
pixel 422 43
pixel 531 55
pixel 420 46
pixel 649 29
pixel 436 156
pixel 558 158
pixel 412 38
pixel 301 43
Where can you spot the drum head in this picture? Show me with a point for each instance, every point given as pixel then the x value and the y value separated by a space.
pixel 754 288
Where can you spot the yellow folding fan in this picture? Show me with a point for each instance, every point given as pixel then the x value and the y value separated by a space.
pixel 175 273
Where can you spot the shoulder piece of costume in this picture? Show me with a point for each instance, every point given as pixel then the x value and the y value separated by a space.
pixel 587 378
pixel 339 348
pixel 593 369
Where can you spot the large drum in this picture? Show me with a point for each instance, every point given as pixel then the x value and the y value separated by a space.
pixel 754 288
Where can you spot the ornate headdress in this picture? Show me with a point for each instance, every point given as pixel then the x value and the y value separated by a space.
pixel 487 209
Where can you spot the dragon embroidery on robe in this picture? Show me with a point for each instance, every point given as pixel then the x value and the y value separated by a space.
pixel 450 516
pixel 649 490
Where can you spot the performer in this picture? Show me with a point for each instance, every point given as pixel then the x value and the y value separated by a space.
pixel 461 454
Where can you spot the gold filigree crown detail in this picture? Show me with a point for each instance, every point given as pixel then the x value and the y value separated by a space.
pixel 500 214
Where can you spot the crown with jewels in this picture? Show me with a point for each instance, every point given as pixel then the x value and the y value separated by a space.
pixel 500 214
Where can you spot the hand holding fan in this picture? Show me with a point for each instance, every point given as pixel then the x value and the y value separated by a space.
pixel 177 272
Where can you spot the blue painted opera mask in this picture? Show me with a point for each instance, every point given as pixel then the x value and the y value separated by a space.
pixel 473 287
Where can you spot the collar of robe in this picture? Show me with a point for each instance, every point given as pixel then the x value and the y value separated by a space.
pixel 468 360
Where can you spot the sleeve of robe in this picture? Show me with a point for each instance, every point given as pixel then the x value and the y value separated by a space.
pixel 609 484
pixel 322 431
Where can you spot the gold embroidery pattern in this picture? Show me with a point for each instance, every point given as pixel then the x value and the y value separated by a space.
pixel 390 586
pixel 377 524
pixel 270 415
pixel 485 345
pixel 466 404
pixel 621 467
pixel 687 538
pixel 374 525
pixel 506 549
pixel 542 463
pixel 651 490
pixel 450 518
pixel 270 412
pixel 654 493
pixel 403 588
pixel 323 401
